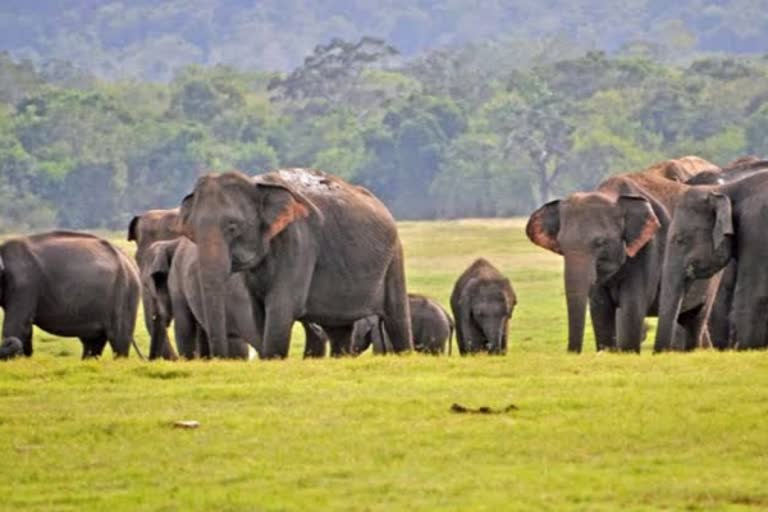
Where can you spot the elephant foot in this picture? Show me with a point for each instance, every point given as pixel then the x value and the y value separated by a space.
pixel 11 348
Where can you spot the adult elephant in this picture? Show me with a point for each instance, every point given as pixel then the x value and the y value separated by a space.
pixel 482 302
pixel 144 230
pixel 68 284
pixel 164 225
pixel 431 325
pixel 312 246
pixel 710 227
pixel 719 323
pixel 174 284
pixel 613 242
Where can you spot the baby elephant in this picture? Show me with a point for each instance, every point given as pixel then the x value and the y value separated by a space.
pixel 171 276
pixel 68 284
pixel 482 302
pixel 432 328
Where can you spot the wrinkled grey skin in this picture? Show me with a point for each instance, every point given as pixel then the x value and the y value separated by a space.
pixel 172 273
pixel 612 241
pixel 145 229
pixel 719 323
pixel 482 303
pixel 72 285
pixel 431 325
pixel 312 247
pixel 711 226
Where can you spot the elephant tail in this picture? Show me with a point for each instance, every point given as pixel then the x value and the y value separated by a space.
pixel 450 335
pixel 136 348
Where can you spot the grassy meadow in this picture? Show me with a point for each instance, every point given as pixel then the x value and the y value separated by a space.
pixel 590 432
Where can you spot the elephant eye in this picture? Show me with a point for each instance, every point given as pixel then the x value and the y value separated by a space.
pixel 680 239
pixel 600 242
pixel 233 229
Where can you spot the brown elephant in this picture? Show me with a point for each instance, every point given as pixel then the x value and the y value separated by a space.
pixel 482 302
pixel 613 242
pixel 313 247
pixel 68 284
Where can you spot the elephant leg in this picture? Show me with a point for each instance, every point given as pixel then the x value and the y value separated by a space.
pixel 719 323
pixel 750 308
pixel 202 346
pixel 93 346
pixel 341 340
pixel 397 315
pixel 629 325
pixel 238 348
pixel 185 330
pixel 476 341
pixel 17 322
pixel 603 313
pixel 314 344
pixel 277 332
pixel 695 324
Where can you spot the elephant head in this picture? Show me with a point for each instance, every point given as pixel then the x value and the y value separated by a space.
pixel 235 220
pixel 154 276
pixel 699 244
pixel 489 304
pixel 595 233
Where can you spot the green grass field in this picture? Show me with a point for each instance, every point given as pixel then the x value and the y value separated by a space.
pixel 591 432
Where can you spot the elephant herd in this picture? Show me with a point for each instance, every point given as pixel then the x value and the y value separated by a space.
pixel 244 257
pixel 235 266
pixel 684 240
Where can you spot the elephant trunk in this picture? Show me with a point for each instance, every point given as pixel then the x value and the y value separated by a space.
pixel 579 277
pixel 215 267
pixel 670 301
pixel 493 332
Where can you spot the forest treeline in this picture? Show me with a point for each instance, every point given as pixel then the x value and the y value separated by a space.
pixel 150 39
pixel 453 133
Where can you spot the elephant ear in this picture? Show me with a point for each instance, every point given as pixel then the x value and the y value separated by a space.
pixel 723 218
pixel 281 206
pixel 640 223
pixel 161 257
pixel 543 226
pixel 185 216
pixel 133 228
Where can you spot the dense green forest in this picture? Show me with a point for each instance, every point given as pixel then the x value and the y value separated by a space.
pixel 479 127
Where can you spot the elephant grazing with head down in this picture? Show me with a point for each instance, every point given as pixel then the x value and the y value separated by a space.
pixel 482 302
pixel 613 242
pixel 68 284
pixel 312 247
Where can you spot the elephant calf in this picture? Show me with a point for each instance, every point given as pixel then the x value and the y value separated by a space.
pixel 68 284
pixel 482 302
pixel 432 328
pixel 171 277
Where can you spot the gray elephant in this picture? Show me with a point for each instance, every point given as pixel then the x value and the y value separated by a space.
pixel 68 284
pixel 719 322
pixel 431 325
pixel 173 277
pixel 312 247
pixel 161 225
pixel 482 302
pixel 613 243
pixel 710 227
pixel 145 229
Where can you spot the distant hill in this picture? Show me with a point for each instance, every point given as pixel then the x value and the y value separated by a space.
pixel 149 39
